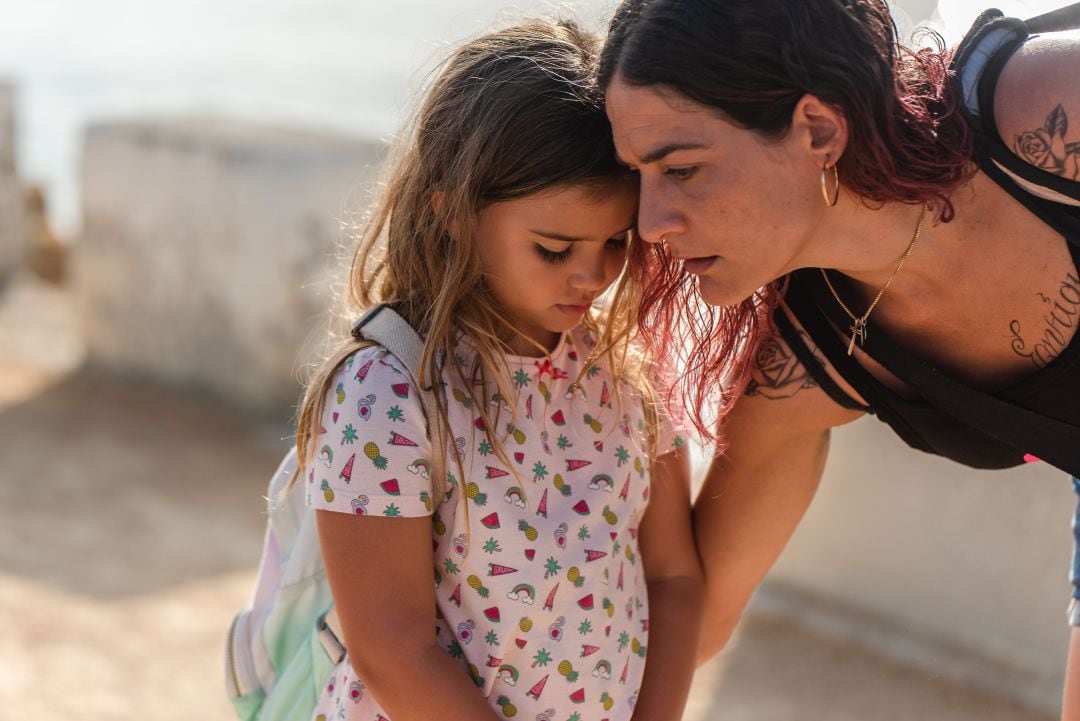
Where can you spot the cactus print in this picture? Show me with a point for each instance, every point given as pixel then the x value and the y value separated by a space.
pixel 543 600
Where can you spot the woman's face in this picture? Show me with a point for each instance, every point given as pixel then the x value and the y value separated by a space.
pixel 737 208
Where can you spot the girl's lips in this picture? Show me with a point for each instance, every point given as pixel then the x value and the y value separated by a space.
pixel 697 266
pixel 574 309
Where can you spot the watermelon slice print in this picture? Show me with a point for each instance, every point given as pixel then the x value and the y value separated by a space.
pixel 581 508
pixel 558 418
pixel 519 457
pixel 391 487
pixel 493 614
pixel 401 390
pixel 578 696
pixel 520 642
pixel 491 520
pixel 586 602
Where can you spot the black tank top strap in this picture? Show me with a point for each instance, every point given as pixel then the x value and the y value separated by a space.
pixel 813 366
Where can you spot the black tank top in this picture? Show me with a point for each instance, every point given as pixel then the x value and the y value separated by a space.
pixel 977 429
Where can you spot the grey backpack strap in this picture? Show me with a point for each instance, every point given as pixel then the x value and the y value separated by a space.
pixel 383 325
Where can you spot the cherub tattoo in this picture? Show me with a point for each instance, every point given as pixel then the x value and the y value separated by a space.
pixel 1046 148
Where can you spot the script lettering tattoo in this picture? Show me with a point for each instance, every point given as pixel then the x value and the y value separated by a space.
pixel 1046 148
pixel 1061 316
pixel 777 372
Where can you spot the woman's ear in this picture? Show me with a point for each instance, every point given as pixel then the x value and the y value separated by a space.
pixel 820 129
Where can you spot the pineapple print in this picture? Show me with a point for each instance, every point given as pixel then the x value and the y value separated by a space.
pixel 593 423
pixel 516 434
pixel 606 701
pixel 371 450
pixel 560 485
pixel 472 492
pixel 566 670
pixel 340 390
pixel 609 516
pixel 328 492
pixel 525 624
pixel 476 585
pixel 509 710
pixel 530 533
pixel 573 575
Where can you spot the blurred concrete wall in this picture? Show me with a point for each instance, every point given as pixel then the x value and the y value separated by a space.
pixel 13 233
pixel 948 562
pixel 208 248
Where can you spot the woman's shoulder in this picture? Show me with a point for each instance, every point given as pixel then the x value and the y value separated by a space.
pixel 1036 95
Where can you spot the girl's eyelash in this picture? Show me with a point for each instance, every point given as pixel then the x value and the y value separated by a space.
pixel 620 242
pixel 681 173
pixel 554 256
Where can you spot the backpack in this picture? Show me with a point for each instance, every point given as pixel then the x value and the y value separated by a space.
pixel 281 648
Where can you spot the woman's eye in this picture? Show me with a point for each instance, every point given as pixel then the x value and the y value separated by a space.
pixel 681 173
pixel 619 242
pixel 553 256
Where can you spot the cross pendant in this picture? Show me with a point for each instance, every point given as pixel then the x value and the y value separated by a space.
pixel 858 331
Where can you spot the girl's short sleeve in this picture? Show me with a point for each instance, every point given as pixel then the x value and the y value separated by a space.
pixel 372 454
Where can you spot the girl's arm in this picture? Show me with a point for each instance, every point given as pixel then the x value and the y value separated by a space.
pixel 676 589
pixel 381 577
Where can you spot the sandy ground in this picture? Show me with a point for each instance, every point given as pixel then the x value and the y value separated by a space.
pixel 131 519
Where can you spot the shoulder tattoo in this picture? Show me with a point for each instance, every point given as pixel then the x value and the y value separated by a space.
pixel 1046 147
pixel 777 373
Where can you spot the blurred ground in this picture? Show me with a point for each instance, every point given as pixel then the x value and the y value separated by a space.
pixel 130 520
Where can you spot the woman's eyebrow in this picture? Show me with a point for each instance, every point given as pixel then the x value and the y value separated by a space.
pixel 663 151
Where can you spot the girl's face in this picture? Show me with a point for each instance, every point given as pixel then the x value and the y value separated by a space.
pixel 739 210
pixel 548 256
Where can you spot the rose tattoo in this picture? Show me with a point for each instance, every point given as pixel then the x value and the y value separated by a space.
pixel 1045 147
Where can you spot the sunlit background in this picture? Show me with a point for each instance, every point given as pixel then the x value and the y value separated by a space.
pixel 195 159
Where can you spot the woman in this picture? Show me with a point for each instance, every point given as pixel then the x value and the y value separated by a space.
pixel 830 196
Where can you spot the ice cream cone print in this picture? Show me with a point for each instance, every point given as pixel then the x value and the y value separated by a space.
pixel 549 604
pixel 346 472
pixel 361 374
pixel 538 688
pixel 592 555
pixel 625 489
pixel 573 465
pixel 541 510
pixel 625 670
pixel 396 439
pixel 497 569
pixel 455 597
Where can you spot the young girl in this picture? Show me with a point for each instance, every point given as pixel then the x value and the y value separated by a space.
pixel 503 222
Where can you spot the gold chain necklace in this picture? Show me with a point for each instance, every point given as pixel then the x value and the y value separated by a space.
pixel 858 329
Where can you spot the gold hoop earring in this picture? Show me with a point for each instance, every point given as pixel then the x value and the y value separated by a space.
pixel 830 198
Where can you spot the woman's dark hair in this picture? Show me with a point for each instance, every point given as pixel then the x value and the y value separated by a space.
pixel 752 60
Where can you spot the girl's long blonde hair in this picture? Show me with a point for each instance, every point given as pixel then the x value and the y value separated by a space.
pixel 511 113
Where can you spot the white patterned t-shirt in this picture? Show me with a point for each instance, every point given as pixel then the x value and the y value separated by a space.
pixel 543 601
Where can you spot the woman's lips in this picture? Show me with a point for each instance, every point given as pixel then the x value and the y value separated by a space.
pixel 697 266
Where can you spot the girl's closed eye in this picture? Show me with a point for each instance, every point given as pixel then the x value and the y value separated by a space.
pixel 619 242
pixel 554 257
